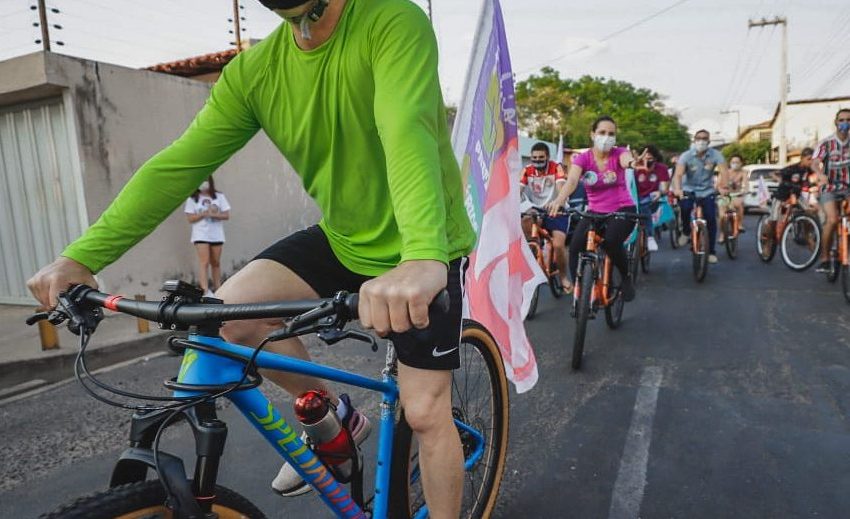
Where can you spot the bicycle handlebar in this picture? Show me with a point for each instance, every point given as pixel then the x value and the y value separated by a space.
pixel 74 304
pixel 605 216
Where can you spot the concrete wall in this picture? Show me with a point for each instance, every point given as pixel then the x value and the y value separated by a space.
pixel 123 116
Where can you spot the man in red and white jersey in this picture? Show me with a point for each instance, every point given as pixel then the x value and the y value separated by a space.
pixel 832 163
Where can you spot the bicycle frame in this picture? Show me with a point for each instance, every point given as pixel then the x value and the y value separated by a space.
pixel 843 233
pixel 204 368
pixel 540 235
pixel 603 282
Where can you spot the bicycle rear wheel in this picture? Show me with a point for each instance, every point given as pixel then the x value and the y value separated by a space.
pixel 480 400
pixel 644 253
pixel 614 311
pixel 674 229
pixel 845 282
pixel 700 259
pixel 800 243
pixel 147 500
pixel 765 239
pixel 586 281
pixel 555 285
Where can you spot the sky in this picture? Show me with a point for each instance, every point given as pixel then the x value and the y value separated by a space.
pixel 699 55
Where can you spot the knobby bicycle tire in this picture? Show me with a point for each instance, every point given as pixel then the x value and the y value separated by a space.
pixel 701 260
pixel 614 311
pixel 405 491
pixel 793 228
pixel 586 281
pixel 765 242
pixel 146 499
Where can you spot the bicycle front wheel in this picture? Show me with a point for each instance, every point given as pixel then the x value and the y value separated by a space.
pixel 731 241
pixel 480 400
pixel 800 243
pixel 765 239
pixel 532 308
pixel 147 500
pixel 586 281
pixel 701 255
pixel 674 230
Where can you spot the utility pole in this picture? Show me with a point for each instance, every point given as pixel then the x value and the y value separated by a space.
pixel 783 81
pixel 42 20
pixel 738 112
pixel 237 30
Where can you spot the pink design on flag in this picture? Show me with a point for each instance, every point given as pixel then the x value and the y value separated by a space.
pixel 503 273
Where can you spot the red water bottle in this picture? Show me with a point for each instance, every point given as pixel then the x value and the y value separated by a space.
pixel 330 441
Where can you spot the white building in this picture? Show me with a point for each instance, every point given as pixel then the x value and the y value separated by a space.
pixel 807 122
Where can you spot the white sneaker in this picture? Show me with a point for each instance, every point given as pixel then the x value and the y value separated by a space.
pixel 651 244
pixel 712 258
pixel 683 240
pixel 209 293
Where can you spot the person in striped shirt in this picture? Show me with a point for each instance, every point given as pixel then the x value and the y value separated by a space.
pixel 832 163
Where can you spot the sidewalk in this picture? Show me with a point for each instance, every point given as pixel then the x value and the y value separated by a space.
pixel 24 366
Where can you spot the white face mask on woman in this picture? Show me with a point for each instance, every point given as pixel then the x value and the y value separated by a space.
pixel 205 186
pixel 604 143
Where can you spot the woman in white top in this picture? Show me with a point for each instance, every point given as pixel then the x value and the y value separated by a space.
pixel 206 210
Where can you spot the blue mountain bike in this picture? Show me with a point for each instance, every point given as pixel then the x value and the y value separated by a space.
pixel 213 368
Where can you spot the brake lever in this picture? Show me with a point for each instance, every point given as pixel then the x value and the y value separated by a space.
pixel 333 335
pixel 54 317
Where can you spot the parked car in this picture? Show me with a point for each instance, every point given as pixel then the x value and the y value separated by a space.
pixel 754 172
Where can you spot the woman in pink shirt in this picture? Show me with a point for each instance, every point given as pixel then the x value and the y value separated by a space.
pixel 602 168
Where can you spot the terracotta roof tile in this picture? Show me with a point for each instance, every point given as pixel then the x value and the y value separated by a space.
pixel 196 65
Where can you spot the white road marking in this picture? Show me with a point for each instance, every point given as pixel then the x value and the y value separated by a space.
pixel 631 478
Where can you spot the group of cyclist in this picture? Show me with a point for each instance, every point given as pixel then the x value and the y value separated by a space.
pixel 700 176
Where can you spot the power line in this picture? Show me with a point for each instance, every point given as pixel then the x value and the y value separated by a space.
pixel 734 77
pixel 737 89
pixel 611 35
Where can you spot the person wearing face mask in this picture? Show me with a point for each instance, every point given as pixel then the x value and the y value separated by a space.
pixel 791 179
pixel 832 164
pixel 694 174
pixel 206 210
pixel 652 179
pixel 735 183
pixel 542 181
pixel 602 170
pixel 348 91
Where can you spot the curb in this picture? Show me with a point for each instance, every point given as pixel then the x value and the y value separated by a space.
pixel 59 367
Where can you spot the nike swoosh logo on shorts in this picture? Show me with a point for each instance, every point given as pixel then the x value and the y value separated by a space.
pixel 437 353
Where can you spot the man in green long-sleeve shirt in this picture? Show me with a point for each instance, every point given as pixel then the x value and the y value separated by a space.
pixel 352 99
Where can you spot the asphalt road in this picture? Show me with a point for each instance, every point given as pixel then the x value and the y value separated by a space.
pixel 728 398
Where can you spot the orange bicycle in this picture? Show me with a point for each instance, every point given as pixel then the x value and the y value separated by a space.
pixel 796 232
pixel 839 253
pixel 597 283
pixel 543 249
pixel 699 238
pixel 731 227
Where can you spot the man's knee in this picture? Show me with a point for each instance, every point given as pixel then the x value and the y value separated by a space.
pixel 427 407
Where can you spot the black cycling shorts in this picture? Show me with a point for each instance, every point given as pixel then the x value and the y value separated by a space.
pixel 309 255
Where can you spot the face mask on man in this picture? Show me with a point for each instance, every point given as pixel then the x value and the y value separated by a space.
pixel 604 143
pixel 844 127
pixel 701 145
pixel 539 164
pixel 735 165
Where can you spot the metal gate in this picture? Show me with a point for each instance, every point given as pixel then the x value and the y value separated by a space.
pixel 41 196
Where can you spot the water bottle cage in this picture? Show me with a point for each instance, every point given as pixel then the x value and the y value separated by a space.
pixel 356 470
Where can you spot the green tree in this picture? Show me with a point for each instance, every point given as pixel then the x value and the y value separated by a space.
pixel 549 105
pixel 752 152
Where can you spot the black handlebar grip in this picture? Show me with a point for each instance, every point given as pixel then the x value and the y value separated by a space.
pixel 440 304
